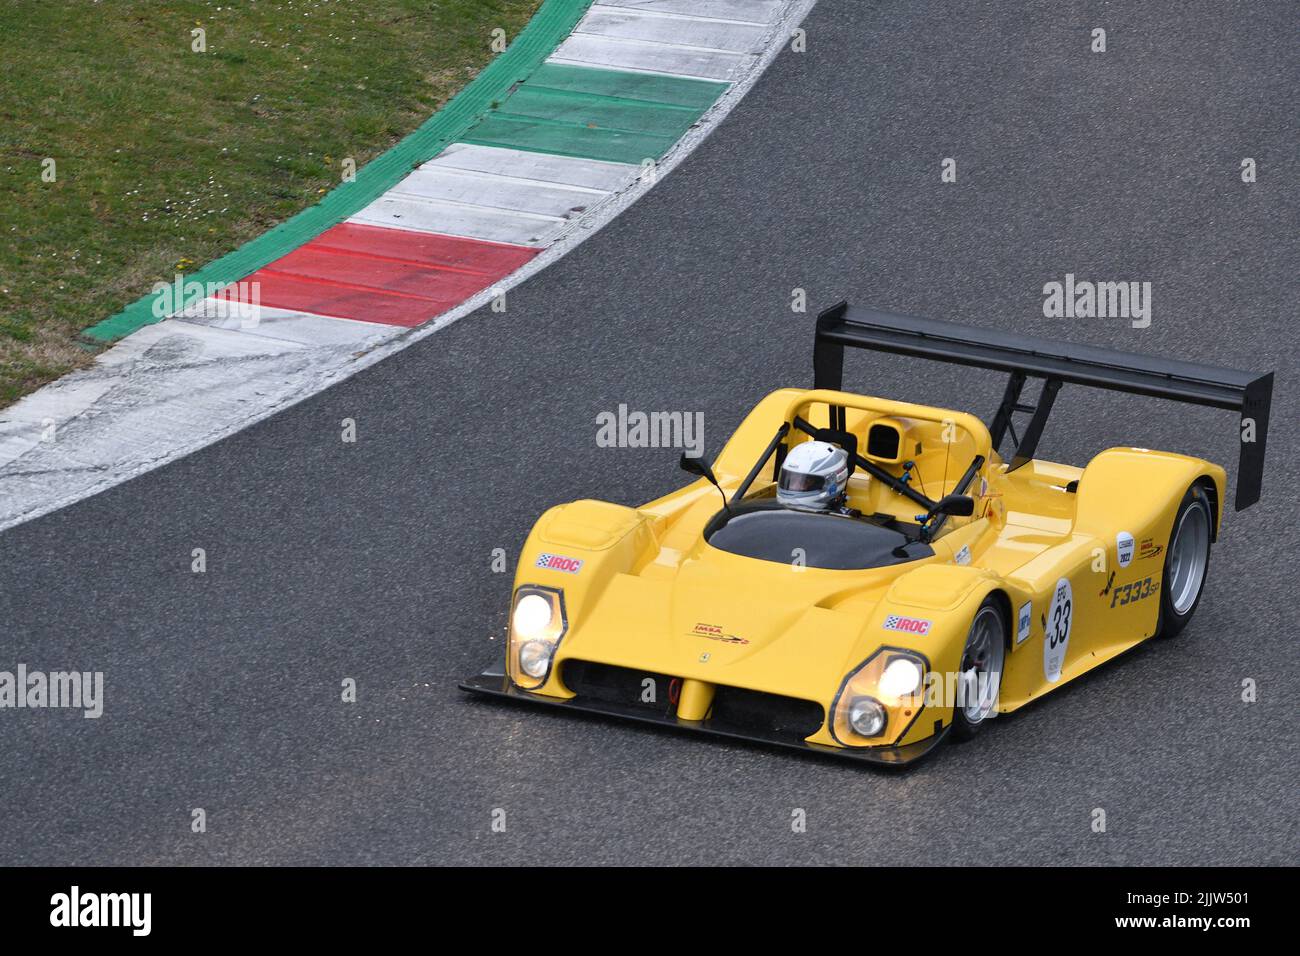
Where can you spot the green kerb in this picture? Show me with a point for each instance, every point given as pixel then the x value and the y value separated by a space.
pixel 594 113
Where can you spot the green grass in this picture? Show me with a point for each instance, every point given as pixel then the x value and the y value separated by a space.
pixel 168 158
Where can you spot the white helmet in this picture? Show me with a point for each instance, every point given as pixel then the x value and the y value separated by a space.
pixel 814 477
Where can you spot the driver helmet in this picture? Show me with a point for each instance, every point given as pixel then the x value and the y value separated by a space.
pixel 814 477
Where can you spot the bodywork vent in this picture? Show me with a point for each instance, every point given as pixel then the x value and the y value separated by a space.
pixel 748 713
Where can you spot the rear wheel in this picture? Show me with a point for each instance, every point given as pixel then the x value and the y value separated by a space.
pixel 1187 563
pixel 980 677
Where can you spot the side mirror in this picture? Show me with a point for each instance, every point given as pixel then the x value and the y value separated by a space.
pixel 696 466
pixel 700 467
pixel 959 506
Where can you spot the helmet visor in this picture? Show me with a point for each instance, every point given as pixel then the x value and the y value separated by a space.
pixel 798 481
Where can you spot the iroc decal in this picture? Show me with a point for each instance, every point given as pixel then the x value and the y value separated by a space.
pixel 558 562
pixel 909 625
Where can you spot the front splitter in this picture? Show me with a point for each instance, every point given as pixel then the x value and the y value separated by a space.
pixel 495 684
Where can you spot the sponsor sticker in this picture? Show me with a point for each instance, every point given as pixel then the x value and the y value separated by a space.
pixel 1110 581
pixel 1024 618
pixel 714 633
pixel 1124 545
pixel 909 625
pixel 558 562
pixel 1056 634
pixel 963 556
pixel 1136 591
pixel 1149 549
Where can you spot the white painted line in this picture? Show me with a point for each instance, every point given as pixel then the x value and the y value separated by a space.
pixel 166 390
pixel 511 181
pixel 19 438
pixel 540 167
pixel 37 418
pixel 304 328
pixel 498 194
pixel 642 57
pixel 494 192
pixel 490 179
pixel 744 11
pixel 458 219
pixel 171 339
pixel 682 31
pixel 76 405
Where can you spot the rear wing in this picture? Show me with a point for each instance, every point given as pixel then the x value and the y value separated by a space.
pixel 1056 363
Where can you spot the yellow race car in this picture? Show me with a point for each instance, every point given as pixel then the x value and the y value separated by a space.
pixel 918 584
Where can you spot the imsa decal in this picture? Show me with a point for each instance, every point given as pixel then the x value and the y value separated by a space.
pixel 714 633
pixel 1150 549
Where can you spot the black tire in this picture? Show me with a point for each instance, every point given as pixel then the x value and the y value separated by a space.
pixel 990 617
pixel 1177 602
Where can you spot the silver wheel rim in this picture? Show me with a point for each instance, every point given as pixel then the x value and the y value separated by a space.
pixel 981 665
pixel 1188 555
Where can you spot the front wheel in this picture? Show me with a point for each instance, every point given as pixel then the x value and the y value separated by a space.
pixel 980 678
pixel 1187 562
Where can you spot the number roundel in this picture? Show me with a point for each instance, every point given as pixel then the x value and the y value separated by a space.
pixel 1056 636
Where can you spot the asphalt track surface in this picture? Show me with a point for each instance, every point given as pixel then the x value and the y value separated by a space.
pixel 372 560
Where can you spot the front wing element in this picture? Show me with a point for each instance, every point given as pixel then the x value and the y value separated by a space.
pixel 494 683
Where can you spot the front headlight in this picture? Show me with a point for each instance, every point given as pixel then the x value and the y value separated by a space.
pixel 535 658
pixel 902 677
pixel 537 623
pixel 867 717
pixel 533 615
pixel 880 699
